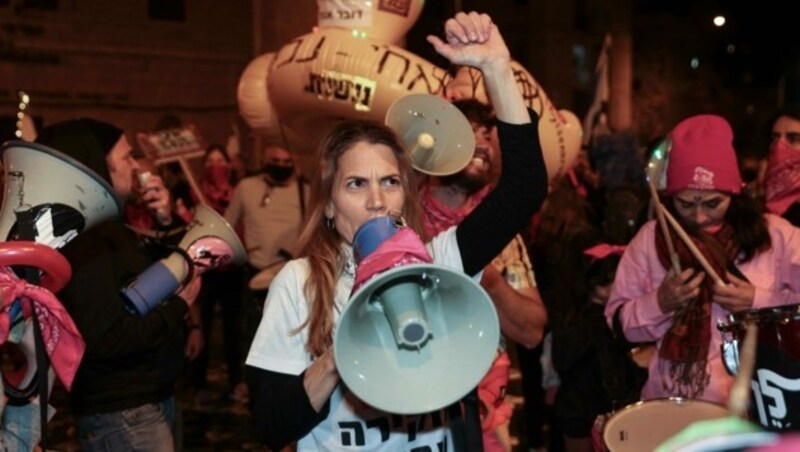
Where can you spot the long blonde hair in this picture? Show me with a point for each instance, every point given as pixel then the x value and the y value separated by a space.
pixel 321 243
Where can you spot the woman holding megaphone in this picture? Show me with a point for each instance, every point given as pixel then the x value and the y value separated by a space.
pixel 365 173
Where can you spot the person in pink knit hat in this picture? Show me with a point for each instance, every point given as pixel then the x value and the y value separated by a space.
pixel 756 255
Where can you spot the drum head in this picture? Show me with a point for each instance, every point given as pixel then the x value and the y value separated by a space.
pixel 643 426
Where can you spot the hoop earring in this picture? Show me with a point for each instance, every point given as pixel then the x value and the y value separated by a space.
pixel 399 220
pixel 330 224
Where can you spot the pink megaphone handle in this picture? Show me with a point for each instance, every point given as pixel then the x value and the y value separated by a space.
pixel 55 266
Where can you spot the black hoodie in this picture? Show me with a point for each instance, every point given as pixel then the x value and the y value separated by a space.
pixel 129 360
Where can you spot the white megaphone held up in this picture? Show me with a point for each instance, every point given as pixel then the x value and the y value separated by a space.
pixel 210 242
pixel 64 196
pixel 437 135
pixel 415 338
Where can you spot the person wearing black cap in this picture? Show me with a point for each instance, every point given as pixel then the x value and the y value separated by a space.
pixel 123 392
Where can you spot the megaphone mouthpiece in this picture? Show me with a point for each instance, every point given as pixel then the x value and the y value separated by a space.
pixel 402 304
pixel 425 140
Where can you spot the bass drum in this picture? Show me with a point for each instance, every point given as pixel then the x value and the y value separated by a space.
pixel 643 426
pixel 775 385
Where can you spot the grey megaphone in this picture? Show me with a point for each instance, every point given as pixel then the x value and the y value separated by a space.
pixel 64 196
pixel 416 338
pixel 438 136
pixel 209 243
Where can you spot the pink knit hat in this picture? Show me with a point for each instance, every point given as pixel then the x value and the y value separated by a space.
pixel 702 156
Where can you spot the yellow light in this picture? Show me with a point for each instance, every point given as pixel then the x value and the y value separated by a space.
pixel 719 20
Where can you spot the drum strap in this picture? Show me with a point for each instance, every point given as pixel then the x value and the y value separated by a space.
pixel 466 426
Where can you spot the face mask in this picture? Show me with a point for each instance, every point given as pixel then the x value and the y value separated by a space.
pixel 780 152
pixel 217 174
pixel 279 173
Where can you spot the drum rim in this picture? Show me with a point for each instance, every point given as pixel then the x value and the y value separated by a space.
pixel 674 399
pixel 778 309
pixel 736 320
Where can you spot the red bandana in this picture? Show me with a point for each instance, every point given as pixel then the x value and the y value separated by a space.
pixel 439 217
pixel 782 181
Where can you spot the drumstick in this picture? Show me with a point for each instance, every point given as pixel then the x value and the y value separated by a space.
pixel 673 256
pixel 692 247
pixel 740 391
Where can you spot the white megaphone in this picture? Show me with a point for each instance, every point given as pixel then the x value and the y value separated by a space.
pixel 63 196
pixel 415 338
pixel 209 243
pixel 437 135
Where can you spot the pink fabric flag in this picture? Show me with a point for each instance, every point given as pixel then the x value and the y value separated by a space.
pixel 63 341
pixel 403 248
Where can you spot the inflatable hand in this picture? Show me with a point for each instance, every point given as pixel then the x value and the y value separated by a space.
pixel 323 77
pixel 349 67
pixel 254 104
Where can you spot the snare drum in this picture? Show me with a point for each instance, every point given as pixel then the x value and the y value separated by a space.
pixel 643 426
pixel 775 399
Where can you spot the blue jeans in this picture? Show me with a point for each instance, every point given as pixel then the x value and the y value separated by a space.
pixel 21 426
pixel 143 428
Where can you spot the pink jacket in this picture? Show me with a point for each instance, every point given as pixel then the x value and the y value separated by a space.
pixel 775 274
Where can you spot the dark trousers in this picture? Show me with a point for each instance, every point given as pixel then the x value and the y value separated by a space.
pixel 223 288
pixel 253 310
pixel 536 413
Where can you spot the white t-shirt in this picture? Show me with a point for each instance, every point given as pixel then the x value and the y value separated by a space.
pixel 351 424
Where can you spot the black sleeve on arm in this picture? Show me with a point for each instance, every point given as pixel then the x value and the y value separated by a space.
pixel 507 209
pixel 281 408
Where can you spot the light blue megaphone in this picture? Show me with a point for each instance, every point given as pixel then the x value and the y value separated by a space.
pixel 414 338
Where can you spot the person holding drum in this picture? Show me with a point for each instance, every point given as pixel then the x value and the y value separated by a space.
pixel 755 260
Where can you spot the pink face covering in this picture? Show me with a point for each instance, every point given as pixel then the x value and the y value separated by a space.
pixel 217 174
pixel 782 181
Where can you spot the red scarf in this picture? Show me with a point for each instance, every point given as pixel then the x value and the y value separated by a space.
pixel 685 346
pixel 782 181
pixel 216 187
pixel 439 217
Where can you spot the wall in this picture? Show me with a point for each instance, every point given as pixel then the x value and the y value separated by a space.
pixel 110 60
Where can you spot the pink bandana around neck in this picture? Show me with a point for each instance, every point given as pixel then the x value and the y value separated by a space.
pixel 63 342
pixel 439 217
